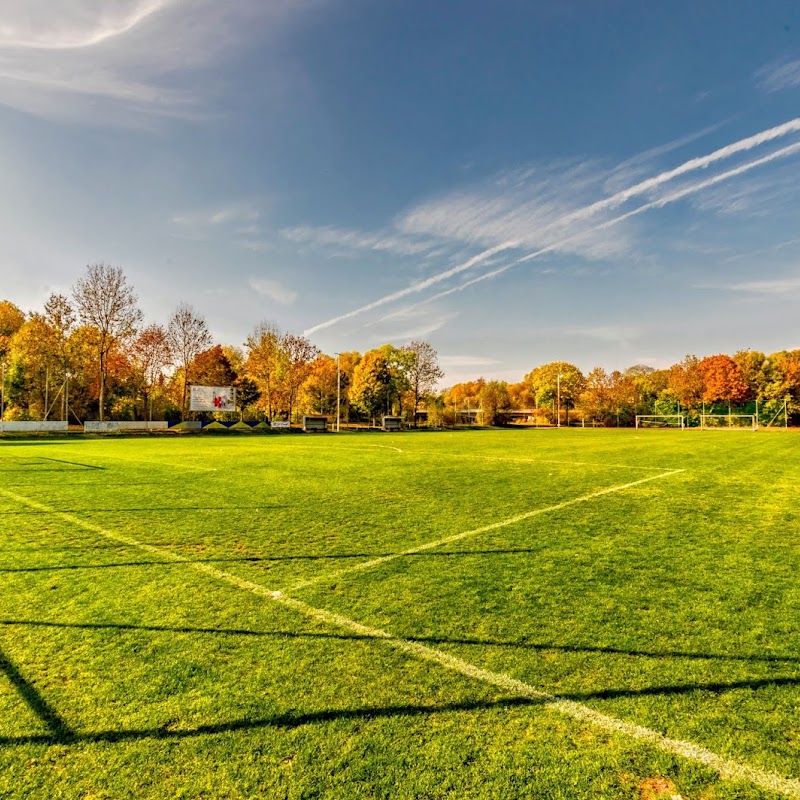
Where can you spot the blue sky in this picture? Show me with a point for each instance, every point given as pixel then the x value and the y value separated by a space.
pixel 603 182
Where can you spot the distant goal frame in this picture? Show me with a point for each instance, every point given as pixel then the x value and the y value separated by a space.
pixel 665 418
pixel 752 426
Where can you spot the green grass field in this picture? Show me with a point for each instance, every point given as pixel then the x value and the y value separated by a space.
pixel 493 614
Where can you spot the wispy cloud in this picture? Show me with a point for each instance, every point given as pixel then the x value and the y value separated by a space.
pixel 238 223
pixel 467 361
pixel 273 290
pixel 532 206
pixel 341 239
pixel 417 287
pixel 778 75
pixel 114 62
pixel 621 334
pixel 661 202
pixel 550 220
pixel 790 285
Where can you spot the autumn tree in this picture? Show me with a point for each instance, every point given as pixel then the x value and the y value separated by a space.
pixel 188 336
pixel 781 388
pixel 11 320
pixel 298 354
pixel 723 380
pixel 520 396
pixel 264 363
pixel 318 392
pixel 464 397
pixel 32 355
pixel 623 393
pixel 371 386
pixel 151 355
pixel 595 400
pixel 422 371
pixel 493 400
pixel 685 380
pixel 752 364
pixel 60 316
pixel 106 302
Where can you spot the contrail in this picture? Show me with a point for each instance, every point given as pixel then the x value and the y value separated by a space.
pixel 660 203
pixel 615 200
pixel 417 287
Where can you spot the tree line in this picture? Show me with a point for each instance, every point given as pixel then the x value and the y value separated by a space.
pixel 91 355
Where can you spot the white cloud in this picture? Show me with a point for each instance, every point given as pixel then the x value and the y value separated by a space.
pixel 239 222
pixel 621 334
pixel 790 285
pixel 273 290
pixel 113 62
pixel 778 75
pixel 533 206
pixel 467 361
pixel 328 237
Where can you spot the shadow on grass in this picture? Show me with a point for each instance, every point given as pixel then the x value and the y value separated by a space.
pixel 287 721
pixel 49 465
pixel 433 640
pixel 59 730
pixel 61 735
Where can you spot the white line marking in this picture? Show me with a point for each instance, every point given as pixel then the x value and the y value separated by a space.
pixel 726 768
pixel 375 562
pixel 546 461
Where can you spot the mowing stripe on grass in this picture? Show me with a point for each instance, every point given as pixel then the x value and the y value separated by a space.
pixel 376 562
pixel 726 768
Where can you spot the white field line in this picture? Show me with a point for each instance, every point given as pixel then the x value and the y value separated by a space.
pixel 375 562
pixel 592 464
pixel 726 768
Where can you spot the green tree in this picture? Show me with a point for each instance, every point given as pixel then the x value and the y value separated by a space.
pixel 558 383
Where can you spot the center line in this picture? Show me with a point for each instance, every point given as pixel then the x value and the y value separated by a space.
pixel 375 562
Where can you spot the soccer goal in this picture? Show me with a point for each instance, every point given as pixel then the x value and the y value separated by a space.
pixel 660 421
pixel 728 422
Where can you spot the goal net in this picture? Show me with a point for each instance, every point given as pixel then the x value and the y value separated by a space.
pixel 660 421
pixel 729 422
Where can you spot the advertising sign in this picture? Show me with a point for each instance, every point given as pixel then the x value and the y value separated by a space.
pixel 212 398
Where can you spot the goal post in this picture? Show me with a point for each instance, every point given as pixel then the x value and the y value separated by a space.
pixel 728 422
pixel 660 421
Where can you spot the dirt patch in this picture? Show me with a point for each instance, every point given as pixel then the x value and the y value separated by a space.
pixel 658 788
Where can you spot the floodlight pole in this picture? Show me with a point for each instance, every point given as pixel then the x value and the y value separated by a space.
pixel 3 392
pixel 558 401
pixel 338 390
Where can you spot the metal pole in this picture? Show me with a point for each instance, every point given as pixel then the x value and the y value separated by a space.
pixel 66 399
pixel 46 392
pixel 338 391
pixel 3 392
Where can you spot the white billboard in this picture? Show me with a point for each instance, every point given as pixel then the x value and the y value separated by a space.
pixel 212 398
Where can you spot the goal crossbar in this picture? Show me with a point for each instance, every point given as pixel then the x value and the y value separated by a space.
pixel 729 422
pixel 660 421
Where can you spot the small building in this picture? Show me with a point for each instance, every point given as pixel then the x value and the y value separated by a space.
pixel 315 423
pixel 391 423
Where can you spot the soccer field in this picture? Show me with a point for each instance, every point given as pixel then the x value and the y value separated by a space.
pixel 493 614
